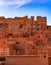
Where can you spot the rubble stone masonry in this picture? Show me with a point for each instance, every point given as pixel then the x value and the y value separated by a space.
pixel 22 37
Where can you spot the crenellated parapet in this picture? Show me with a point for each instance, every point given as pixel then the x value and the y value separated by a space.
pixel 40 22
pixel 25 18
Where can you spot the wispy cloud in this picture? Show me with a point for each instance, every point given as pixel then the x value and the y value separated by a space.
pixel 18 3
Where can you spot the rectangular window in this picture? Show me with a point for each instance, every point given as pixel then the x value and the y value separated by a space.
pixel 21 26
pixel 1 25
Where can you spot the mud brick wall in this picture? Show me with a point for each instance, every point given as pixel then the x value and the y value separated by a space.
pixel 26 60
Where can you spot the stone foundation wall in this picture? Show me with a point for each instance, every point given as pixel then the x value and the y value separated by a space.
pixel 26 60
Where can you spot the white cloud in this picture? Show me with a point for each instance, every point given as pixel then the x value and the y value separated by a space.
pixel 18 3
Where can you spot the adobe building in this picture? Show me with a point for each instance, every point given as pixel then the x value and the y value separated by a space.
pixel 25 41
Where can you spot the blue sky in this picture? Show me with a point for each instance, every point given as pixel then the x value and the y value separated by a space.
pixel 12 8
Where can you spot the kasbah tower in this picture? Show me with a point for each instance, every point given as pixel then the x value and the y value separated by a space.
pixel 25 41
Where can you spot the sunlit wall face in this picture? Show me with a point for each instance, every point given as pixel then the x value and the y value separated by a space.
pixel 12 8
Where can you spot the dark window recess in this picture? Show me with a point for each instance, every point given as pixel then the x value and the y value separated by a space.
pixel 26 35
pixel 17 42
pixel 24 28
pixel 37 43
pixel 38 36
pixel 44 56
pixel 20 26
pixel 24 41
pixel 9 35
pixel 1 25
pixel 38 24
pixel 37 28
pixel 47 27
pixel 6 36
pixel 41 40
pixel 31 24
pixel 4 42
pixel 2 59
pixel 46 36
pixel 31 28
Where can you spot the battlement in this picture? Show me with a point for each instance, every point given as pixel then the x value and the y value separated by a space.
pixel 25 20
pixel 38 18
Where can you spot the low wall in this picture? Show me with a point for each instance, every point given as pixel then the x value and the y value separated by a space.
pixel 26 60
pixel 49 60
